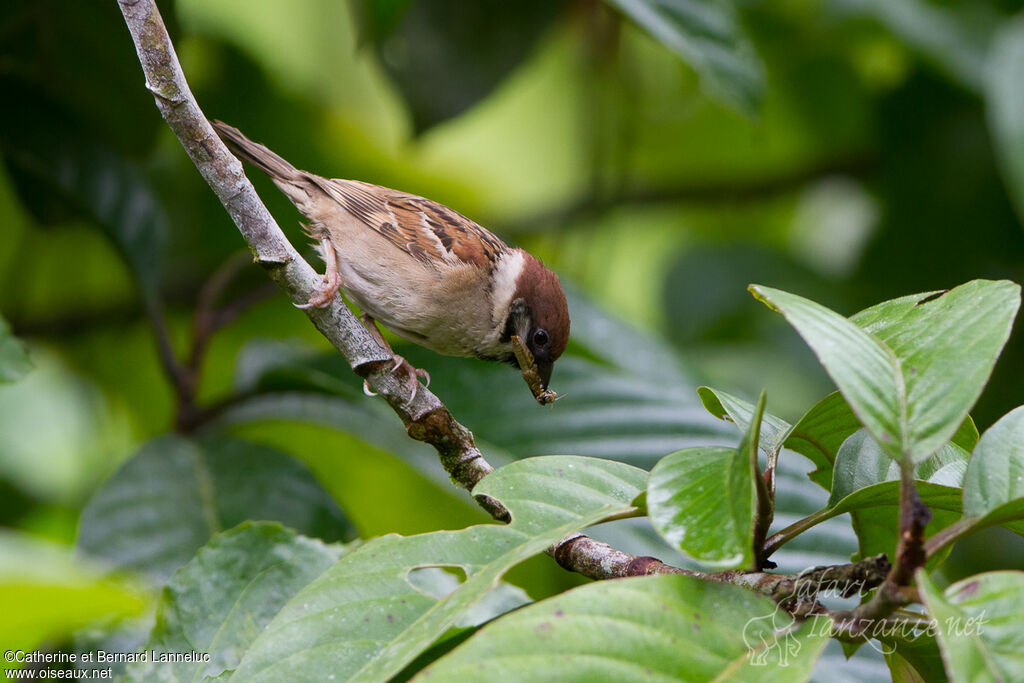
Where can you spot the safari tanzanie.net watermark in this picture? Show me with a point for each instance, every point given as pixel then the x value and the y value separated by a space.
pixel 771 638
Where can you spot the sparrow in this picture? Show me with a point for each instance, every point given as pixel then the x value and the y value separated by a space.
pixel 427 273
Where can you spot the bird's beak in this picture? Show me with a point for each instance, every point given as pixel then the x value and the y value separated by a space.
pixel 544 369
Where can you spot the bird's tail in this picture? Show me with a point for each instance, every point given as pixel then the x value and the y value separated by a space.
pixel 256 154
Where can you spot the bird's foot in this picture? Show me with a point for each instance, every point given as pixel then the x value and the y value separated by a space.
pixel 331 280
pixel 414 375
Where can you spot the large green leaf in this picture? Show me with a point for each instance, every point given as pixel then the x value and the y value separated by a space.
pixel 1004 94
pixel 221 600
pixel 980 622
pixel 47 593
pixel 166 502
pixel 907 376
pixel 708 35
pixel 866 485
pixel 14 361
pixel 364 619
pixel 701 500
pixel 654 628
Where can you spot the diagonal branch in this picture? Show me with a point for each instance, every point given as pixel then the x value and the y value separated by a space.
pixel 424 416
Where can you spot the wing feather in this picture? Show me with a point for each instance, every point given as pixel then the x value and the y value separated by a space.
pixel 424 229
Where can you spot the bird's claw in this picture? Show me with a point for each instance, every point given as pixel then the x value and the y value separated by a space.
pixel 414 375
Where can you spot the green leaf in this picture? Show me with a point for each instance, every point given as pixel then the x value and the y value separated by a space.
pixel 652 628
pixel 175 493
pixel 364 619
pixel 994 484
pixel 1004 95
pixel 979 622
pixel 862 463
pixel 906 376
pixel 709 37
pixel 14 360
pixel 819 434
pixel 47 593
pixel 220 601
pixel 733 409
pixel 701 500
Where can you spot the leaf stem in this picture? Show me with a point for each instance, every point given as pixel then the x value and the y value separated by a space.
pixel 954 532
pixel 780 538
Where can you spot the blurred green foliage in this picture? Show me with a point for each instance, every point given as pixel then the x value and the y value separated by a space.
pixel 659 160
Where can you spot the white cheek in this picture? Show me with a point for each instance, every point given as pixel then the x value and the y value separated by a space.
pixel 506 273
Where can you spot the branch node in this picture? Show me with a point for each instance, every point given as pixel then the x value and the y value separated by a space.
pixel 644 565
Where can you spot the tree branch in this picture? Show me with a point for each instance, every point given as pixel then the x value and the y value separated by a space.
pixel 424 416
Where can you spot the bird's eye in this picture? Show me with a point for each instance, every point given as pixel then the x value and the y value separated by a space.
pixel 540 338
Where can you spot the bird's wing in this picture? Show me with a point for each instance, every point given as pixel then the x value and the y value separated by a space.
pixel 429 232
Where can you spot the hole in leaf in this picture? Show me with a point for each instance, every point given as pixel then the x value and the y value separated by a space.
pixel 436 582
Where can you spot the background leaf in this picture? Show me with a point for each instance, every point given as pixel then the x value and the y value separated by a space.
pixel 220 601
pixel 1004 96
pixel 47 593
pixel 14 360
pixel 165 503
pixel 708 36
pixel 440 59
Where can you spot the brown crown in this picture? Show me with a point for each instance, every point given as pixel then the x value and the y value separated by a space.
pixel 542 291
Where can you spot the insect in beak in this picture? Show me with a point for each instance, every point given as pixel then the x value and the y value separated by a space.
pixel 536 375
